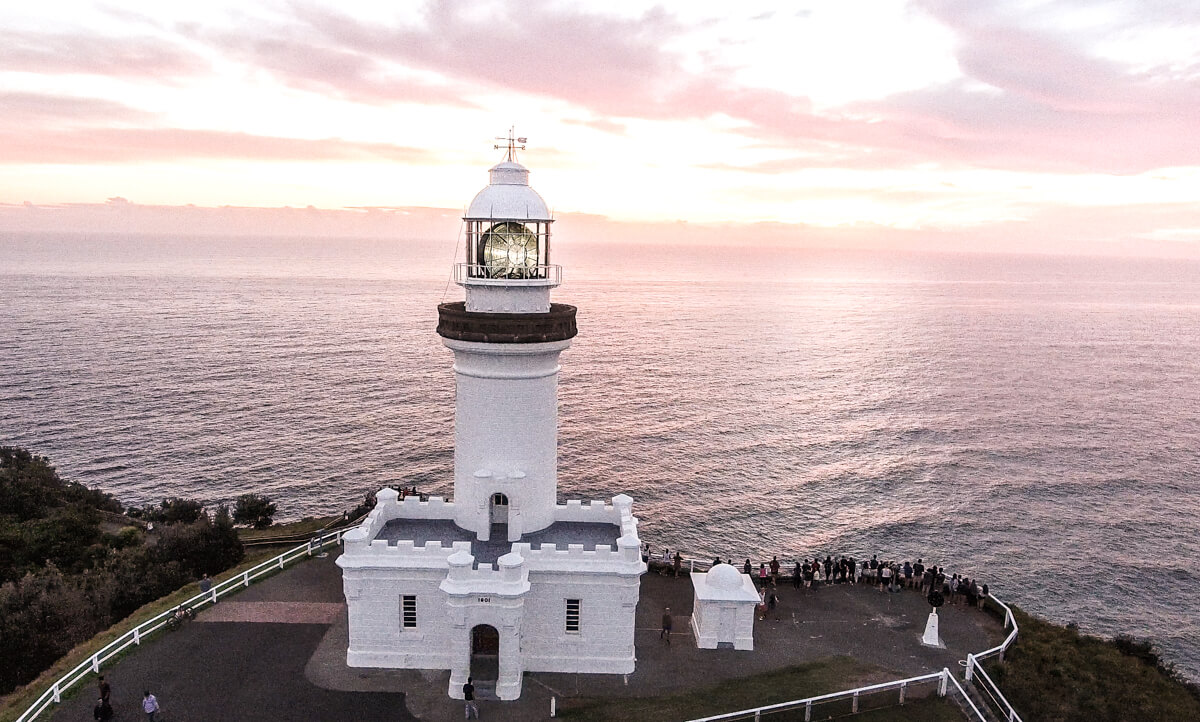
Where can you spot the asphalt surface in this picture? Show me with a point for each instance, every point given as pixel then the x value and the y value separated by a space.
pixel 289 668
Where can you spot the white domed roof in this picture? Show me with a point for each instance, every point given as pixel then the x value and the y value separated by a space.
pixel 724 576
pixel 508 196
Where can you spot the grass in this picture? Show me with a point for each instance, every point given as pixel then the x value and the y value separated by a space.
pixel 784 685
pixel 17 701
pixel 1057 673
pixel 307 525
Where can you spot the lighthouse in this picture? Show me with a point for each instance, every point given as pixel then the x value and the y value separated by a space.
pixel 502 578
pixel 506 337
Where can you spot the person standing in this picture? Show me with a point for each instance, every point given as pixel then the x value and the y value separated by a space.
pixel 678 562
pixel 469 706
pixel 667 623
pixel 103 711
pixel 105 690
pixel 774 570
pixel 150 705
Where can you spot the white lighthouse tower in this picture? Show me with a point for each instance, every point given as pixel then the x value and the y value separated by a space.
pixel 502 579
pixel 506 337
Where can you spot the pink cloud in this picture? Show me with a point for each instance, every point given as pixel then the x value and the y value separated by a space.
pixel 94 55
pixel 126 145
pixel 20 110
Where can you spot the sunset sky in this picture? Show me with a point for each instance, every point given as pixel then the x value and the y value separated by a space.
pixel 1052 126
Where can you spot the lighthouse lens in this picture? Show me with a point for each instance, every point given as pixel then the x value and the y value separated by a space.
pixel 510 250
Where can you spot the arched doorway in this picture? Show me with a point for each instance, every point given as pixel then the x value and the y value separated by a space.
pixel 498 516
pixel 485 652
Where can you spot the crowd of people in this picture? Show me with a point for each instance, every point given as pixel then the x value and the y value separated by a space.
pixel 812 574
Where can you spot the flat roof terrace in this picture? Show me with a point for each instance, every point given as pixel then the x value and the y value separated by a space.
pixel 560 534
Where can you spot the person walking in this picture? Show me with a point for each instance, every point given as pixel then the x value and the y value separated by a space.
pixel 666 626
pixel 150 705
pixel 103 711
pixel 469 706
pixel 105 690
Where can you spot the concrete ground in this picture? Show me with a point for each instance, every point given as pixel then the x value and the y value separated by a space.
pixel 277 651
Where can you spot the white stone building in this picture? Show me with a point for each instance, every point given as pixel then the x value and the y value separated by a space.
pixel 723 603
pixel 503 579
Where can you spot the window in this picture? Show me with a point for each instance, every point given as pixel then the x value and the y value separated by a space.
pixel 408 611
pixel 572 615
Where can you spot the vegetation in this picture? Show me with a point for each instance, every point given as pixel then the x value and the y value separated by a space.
pixel 71 565
pixel 254 510
pixel 1057 673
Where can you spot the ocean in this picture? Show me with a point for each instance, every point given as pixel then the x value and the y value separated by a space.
pixel 1030 421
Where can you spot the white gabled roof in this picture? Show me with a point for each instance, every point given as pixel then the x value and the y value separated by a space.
pixel 508 196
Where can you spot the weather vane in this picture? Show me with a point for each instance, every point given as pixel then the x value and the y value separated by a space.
pixel 513 144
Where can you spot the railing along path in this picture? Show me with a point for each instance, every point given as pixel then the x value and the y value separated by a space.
pixel 134 637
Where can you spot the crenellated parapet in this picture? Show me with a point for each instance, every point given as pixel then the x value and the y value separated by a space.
pixel 624 558
pixel 389 506
pixel 362 551
pixel 511 579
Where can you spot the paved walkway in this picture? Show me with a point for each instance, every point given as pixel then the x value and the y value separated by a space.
pixel 277 651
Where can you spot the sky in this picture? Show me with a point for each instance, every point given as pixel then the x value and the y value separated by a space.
pixel 1058 127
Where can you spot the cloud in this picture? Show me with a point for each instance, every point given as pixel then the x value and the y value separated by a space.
pixel 50 53
pixel 127 145
pixel 299 60
pixel 19 110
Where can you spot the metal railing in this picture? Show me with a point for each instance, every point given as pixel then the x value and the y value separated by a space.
pixel 943 678
pixel 133 637
pixel 541 275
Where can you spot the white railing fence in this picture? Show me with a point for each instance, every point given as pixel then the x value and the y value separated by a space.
pixel 133 637
pixel 852 701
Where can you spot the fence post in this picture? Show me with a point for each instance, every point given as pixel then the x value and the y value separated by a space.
pixel 942 682
pixel 758 715
pixel 808 712
pixel 970 666
pixel 281 561
pixel 96 663
pixel 57 694
pixel 137 635
pixel 246 578
pixel 902 686
pixel 854 703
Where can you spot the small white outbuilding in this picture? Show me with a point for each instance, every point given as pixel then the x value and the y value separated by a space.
pixel 723 608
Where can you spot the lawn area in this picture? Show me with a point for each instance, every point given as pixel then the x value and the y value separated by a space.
pixel 307 525
pixel 797 682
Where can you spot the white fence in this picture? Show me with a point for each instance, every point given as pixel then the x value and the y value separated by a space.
pixel 133 637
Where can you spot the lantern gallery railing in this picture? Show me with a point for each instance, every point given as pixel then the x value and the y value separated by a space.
pixel 483 274
pixel 92 664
